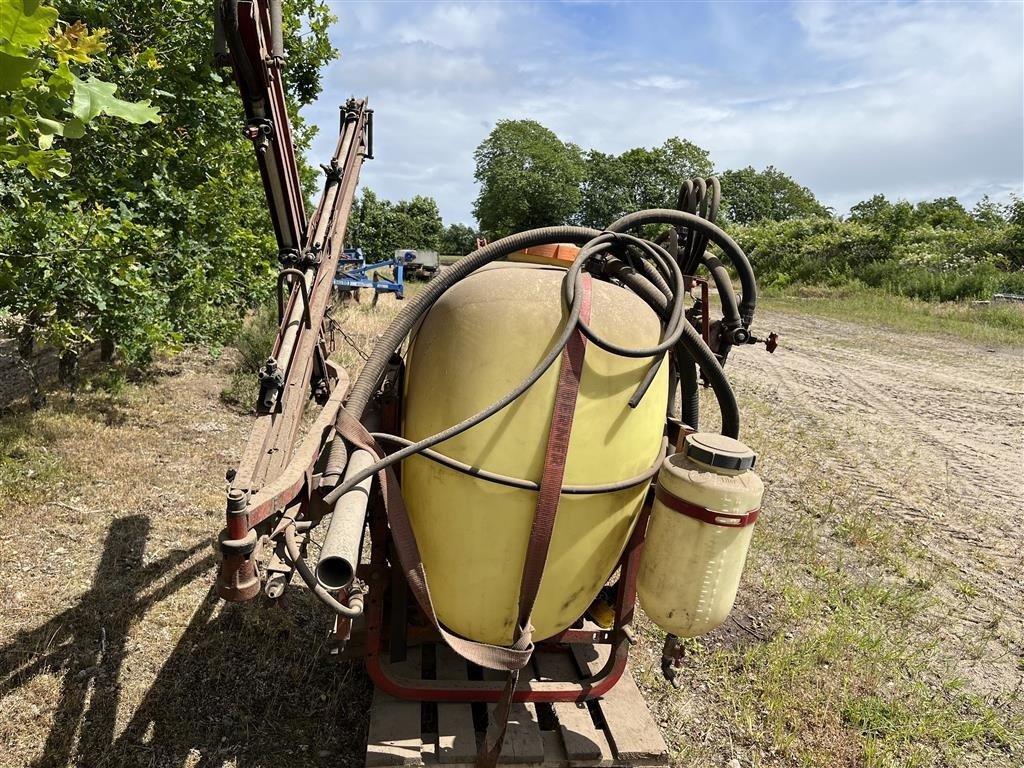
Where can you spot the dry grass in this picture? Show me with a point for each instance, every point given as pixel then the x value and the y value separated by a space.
pixel 113 651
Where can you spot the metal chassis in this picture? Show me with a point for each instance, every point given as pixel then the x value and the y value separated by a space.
pixel 380 625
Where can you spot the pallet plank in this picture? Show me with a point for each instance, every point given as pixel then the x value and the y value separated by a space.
pixel 582 739
pixel 394 734
pixel 632 731
pixel 523 743
pixel 456 740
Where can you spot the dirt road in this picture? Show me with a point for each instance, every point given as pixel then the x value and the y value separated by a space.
pixel 114 652
pixel 928 430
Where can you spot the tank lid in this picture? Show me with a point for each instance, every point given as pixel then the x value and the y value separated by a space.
pixel 718 451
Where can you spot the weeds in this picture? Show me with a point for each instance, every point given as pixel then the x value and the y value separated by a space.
pixel 982 323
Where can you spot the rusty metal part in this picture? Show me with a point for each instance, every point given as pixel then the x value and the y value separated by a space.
pixel 354 603
pixel 339 554
pixel 272 475
pixel 287 486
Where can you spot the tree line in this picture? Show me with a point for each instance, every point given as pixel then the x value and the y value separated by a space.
pixel 935 250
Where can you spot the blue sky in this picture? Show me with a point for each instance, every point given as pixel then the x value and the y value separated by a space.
pixel 915 100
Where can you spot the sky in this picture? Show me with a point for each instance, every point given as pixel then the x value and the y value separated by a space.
pixel 913 100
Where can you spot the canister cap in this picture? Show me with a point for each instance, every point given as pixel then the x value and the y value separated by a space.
pixel 718 451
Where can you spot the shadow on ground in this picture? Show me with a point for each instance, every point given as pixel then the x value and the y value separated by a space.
pixel 245 685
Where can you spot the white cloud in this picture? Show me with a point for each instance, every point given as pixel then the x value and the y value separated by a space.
pixel 910 100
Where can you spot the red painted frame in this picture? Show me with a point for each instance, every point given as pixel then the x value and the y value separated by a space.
pixel 378 575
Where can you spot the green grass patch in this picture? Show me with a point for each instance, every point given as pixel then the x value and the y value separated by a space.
pixel 982 323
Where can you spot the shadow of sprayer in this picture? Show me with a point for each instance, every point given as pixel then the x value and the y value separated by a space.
pixel 241 686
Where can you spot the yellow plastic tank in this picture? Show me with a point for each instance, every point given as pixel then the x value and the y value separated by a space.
pixel 706 503
pixel 476 344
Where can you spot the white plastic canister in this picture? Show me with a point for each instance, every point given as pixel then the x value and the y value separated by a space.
pixel 705 506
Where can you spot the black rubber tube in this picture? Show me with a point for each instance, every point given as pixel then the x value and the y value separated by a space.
pixel 726 294
pixel 692 343
pixel 373 371
pixel 715 234
pixel 689 407
pixel 526 485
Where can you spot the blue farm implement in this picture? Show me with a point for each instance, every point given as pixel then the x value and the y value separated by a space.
pixel 354 273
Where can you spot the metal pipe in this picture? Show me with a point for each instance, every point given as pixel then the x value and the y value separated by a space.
pixel 276 29
pixel 339 555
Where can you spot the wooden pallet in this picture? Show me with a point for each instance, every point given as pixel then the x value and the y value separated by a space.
pixel 615 730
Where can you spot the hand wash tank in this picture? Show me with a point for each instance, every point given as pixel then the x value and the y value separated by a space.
pixel 705 506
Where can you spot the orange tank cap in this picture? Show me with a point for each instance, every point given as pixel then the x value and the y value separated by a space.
pixel 560 254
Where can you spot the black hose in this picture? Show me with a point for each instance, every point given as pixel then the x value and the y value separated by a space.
pixel 516 482
pixel 693 344
pixel 729 247
pixel 726 295
pixel 689 407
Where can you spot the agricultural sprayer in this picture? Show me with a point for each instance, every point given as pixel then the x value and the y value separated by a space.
pixel 520 456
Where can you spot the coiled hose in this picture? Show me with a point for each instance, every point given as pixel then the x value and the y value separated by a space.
pixel 596 246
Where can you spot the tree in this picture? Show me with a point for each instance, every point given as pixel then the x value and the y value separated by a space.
pixel 989 213
pixel 655 175
pixel 878 212
pixel 417 223
pixel 604 194
pixel 944 213
pixel 528 178
pixel 458 240
pixel 160 235
pixel 46 89
pixel 638 178
pixel 750 196
pixel 381 227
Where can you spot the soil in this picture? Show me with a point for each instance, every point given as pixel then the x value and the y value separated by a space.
pixel 929 431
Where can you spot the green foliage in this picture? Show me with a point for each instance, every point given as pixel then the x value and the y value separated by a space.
pixel 750 196
pixel 253 341
pixel 458 240
pixel 41 94
pixel 381 227
pixel 638 178
pixel 157 235
pixel 528 178
pixel 936 251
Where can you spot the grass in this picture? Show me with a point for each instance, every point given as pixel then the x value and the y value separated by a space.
pixel 834 656
pixel 981 323
pixel 113 650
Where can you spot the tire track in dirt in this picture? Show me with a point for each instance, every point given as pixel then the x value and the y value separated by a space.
pixel 932 431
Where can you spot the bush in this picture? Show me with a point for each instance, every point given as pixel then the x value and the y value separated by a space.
pixel 925 262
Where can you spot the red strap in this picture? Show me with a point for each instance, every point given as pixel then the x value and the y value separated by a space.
pixel 490 656
pixel 548 495
pixel 705 515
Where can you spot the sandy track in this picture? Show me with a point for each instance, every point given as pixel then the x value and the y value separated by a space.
pixel 930 430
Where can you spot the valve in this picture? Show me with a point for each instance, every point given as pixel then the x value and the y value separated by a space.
pixel 771 343
pixel 260 130
pixel 271 383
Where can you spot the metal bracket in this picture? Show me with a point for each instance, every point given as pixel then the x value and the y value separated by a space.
pixel 260 131
pixel 271 383
pixel 333 171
